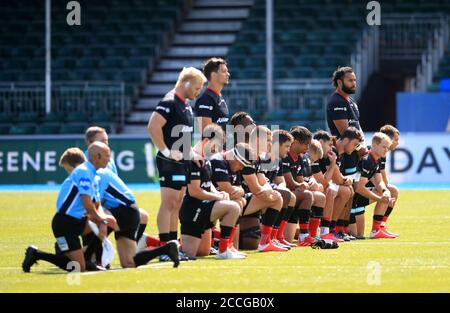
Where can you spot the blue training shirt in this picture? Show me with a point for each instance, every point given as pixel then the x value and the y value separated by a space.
pixel 113 190
pixel 80 182
pixel 111 164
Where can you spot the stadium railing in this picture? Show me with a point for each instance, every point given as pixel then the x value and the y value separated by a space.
pixel 295 101
pixel 86 97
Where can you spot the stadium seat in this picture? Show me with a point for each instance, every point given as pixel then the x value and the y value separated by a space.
pixel 102 117
pixel 76 117
pixel 73 128
pixel 48 129
pixel 53 117
pixel 22 129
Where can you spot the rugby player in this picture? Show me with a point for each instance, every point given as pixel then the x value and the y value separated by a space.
pixel 78 197
pixel 292 166
pixel 118 201
pixel 226 167
pixel 170 127
pixel 211 107
pixel 326 172
pixel 342 110
pixel 368 169
pixel 203 205
pixel 309 225
pixel 394 134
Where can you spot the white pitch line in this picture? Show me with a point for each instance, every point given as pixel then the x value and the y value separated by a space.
pixel 406 243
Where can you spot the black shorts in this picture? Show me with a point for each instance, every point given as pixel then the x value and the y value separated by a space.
pixel 128 218
pixel 195 216
pixel 172 174
pixel 359 201
pixel 67 231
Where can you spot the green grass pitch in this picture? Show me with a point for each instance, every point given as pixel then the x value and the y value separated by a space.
pixel 417 261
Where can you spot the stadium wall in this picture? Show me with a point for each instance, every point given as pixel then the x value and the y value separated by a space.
pixel 420 158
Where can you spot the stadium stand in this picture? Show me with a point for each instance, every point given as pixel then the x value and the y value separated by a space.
pixel 144 44
pixel 117 41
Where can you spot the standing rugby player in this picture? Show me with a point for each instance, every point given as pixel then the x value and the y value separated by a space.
pixel 170 127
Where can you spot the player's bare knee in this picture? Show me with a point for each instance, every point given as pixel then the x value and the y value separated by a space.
pixel 330 193
pixel 293 199
pixel 393 190
pixel 143 216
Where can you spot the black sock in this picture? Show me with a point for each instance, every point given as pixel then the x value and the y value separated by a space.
pixel 164 237
pixel 268 218
pixel 225 231
pixel 93 247
pixel 146 256
pixel 388 211
pixel 289 211
pixel 140 231
pixel 316 211
pixel 332 225
pixel 325 223
pixel 57 259
pixel 303 216
pixel 340 223
pixel 378 218
pixel 280 218
pixel 293 218
pixel 173 235
pixel 303 219
pixel 87 239
pixel 346 223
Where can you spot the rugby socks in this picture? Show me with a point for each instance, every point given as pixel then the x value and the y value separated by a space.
pixel 233 232
pixel 94 244
pixel 346 228
pixel 173 235
pixel 316 214
pixel 146 256
pixel 339 226
pixel 163 238
pixel 267 221
pixel 277 223
pixel 377 220
pixel 386 215
pixel 140 231
pixel 59 260
pixel 333 226
pixel 325 226
pixel 284 222
pixel 225 232
pixel 304 223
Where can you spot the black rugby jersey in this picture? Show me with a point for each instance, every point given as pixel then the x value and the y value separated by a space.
pixel 221 171
pixel 339 108
pixel 179 117
pixel 211 104
pixel 204 174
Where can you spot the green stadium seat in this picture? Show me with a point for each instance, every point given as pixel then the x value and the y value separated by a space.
pixel 302 114
pixel 73 128
pixel 76 117
pixel 53 117
pixel 4 129
pixel 6 117
pixel 48 129
pixel 102 117
pixel 22 129
pixel 276 115
pixel 27 117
